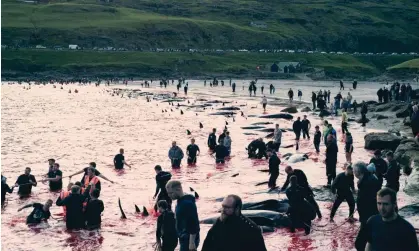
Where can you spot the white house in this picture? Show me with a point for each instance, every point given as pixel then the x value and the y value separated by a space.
pixel 73 46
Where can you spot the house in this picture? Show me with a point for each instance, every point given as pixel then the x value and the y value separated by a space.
pixel 73 46
pixel 274 67
pixel 259 24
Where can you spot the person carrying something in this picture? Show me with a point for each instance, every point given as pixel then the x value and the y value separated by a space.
pixel 5 189
pixel 277 138
pixel 274 163
pixel 25 183
pixel 166 236
pixel 212 140
pixel 342 186
pixel 94 209
pixel 380 166
pixel 301 212
pixel 85 171
pixel 317 139
pixel 233 231
pixel 119 160
pixel 303 183
pixel 393 172
pixel 305 125
pixel 192 151
pixel 40 212
pixel 175 155
pixel 162 178
pixel 387 231
pixel 331 159
pixel 55 178
pixel 187 221
pixel 297 127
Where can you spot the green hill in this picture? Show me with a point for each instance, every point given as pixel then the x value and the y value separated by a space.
pixel 411 65
pixel 330 25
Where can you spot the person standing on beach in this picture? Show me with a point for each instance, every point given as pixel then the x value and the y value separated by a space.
pixel 264 103
pixel 305 125
pixel 349 148
pixel 277 137
pixel 364 111
pixel 317 139
pixel 328 96
pixel 290 95
pixel 185 89
pixel 341 86
pixel 342 186
pixel 393 172
pixel 261 89
pixel 233 86
pixel 274 163
pixel 297 127
pixel 175 155
pixel 331 159
pixel 313 99
pixel 187 221
pixel 300 94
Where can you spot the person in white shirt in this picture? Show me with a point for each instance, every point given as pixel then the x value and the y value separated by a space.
pixel 264 103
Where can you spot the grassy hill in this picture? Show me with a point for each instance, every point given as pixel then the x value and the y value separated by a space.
pixel 330 25
pixel 407 65
pixel 50 63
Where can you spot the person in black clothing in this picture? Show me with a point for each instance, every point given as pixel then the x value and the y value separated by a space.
pixel 162 178
pixel 291 95
pixel 313 99
pixel 192 151
pixel 342 186
pixel 317 139
pixel 331 159
pixel 305 125
pixel 393 172
pixel 220 153
pixel 387 231
pixel 364 111
pixel 380 94
pixel 119 160
pixel 221 137
pixel 380 166
pixel 302 182
pixel 297 127
pixel 233 231
pixel 85 171
pixel 259 146
pixel 74 204
pixel 25 183
pixel 94 209
pixel 341 86
pixel 51 164
pixel 355 106
pixel 185 89
pixel 368 186
pixel 166 236
pixel 354 84
pixel 212 140
pixel 40 212
pixel 300 210
pixel 5 189
pixel 55 178
pixel 274 162
pixel 385 95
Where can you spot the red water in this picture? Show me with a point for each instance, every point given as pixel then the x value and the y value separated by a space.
pixel 75 129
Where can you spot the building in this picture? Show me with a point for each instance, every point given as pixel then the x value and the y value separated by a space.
pixel 73 47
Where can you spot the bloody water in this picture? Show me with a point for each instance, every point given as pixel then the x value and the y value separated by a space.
pixel 75 129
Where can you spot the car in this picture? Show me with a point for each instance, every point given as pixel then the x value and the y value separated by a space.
pixel 323 52
pixel 393 54
pixel 339 53
pixel 310 52
pixel 413 53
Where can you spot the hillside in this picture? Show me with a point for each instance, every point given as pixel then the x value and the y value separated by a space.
pixel 411 65
pixel 329 25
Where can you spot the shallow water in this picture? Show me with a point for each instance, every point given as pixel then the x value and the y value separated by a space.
pixel 75 129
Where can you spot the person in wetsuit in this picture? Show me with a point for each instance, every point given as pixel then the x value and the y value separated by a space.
pixel 393 172
pixel 302 182
pixel 119 160
pixel 212 140
pixel 5 189
pixel 192 151
pixel 342 186
pixel 259 146
pixel 274 163
pixel 387 231
pixel 331 159
pixel 166 235
pixel 40 212
pixel 25 183
pixel 74 204
pixel 162 178
pixel 94 209
pixel 55 178
pixel 380 166
pixel 233 231
pixel 300 210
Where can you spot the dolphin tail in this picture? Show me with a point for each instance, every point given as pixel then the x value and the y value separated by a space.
pixel 190 188
pixel 196 195
pixel 137 209
pixel 123 216
pixel 145 212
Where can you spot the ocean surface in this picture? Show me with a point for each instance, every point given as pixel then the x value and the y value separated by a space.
pixel 92 125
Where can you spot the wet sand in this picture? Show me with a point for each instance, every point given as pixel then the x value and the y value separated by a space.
pixel 75 129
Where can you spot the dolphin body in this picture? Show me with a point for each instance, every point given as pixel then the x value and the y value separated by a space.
pixel 280 206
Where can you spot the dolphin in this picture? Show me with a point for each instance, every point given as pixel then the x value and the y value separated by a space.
pixel 137 209
pixel 145 212
pixel 123 216
pixel 196 194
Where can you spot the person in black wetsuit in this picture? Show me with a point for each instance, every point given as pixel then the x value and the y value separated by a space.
pixel 297 126
pixel 317 139
pixel 119 160
pixel 302 182
pixel 5 189
pixel 305 126
pixel 162 178
pixel 387 231
pixel 393 172
pixel 331 159
pixel 25 183
pixel 274 162
pixel 259 146
pixel 380 166
pixel 233 231
pixel 192 151
pixel 55 178
pixel 342 186
pixel 74 204
pixel 40 212
pixel 212 140
pixel 94 209
pixel 166 235
pixel 300 211
pixel 220 153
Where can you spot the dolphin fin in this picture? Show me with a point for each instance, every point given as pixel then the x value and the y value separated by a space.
pixel 123 216
pixel 145 212
pixel 137 209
